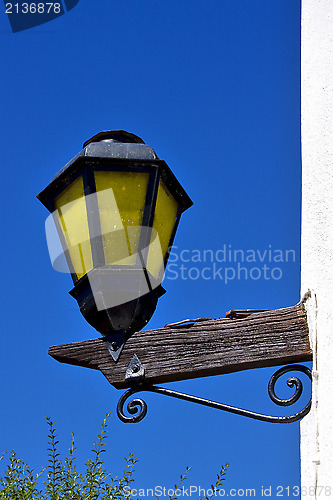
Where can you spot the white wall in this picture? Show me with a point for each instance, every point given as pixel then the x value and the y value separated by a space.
pixel 317 238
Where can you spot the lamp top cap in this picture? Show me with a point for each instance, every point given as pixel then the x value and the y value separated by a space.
pixel 115 136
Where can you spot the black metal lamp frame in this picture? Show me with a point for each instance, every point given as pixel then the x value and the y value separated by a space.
pixel 121 152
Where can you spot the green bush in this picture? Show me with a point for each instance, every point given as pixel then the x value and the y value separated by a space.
pixel 62 481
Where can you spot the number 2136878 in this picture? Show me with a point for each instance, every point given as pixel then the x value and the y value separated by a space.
pixel 33 8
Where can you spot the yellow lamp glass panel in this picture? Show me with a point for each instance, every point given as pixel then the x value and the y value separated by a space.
pixel 72 215
pixel 164 222
pixel 121 202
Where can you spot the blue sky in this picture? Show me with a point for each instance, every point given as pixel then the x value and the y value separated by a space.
pixel 214 88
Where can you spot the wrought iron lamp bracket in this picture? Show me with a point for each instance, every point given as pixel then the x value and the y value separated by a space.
pixel 137 408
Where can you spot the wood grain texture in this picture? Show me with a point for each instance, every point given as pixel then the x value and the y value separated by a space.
pixel 205 348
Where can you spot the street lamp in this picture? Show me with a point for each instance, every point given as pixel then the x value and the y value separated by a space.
pixel 116 207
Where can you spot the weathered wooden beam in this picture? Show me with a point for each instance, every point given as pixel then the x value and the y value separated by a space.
pixel 209 347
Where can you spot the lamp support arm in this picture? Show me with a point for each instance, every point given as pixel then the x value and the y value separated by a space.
pixel 200 348
pixel 137 408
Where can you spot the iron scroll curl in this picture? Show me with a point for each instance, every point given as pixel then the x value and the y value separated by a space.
pixel 137 408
